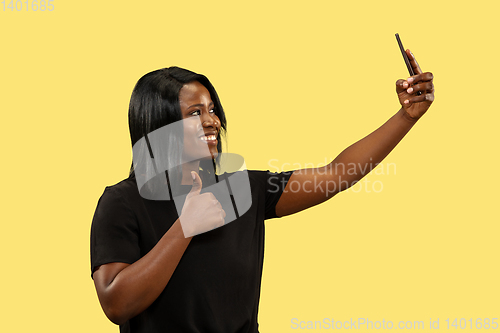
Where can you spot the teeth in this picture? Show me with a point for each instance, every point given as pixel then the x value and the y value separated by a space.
pixel 210 137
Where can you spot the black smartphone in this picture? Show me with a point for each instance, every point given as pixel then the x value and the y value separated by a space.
pixel 405 56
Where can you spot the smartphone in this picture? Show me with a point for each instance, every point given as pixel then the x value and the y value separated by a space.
pixel 405 57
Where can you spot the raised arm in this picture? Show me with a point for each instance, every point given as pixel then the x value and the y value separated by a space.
pixel 309 187
pixel 125 290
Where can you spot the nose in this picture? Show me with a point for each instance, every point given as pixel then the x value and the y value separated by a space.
pixel 209 120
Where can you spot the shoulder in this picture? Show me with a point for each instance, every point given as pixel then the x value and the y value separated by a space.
pixel 266 174
pixel 256 177
pixel 119 199
pixel 268 186
pixel 125 190
pixel 268 181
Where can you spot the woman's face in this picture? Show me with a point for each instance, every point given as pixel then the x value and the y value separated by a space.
pixel 200 134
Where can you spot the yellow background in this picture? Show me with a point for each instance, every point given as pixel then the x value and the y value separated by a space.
pixel 300 81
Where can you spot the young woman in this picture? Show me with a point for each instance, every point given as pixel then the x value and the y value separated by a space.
pixel 151 274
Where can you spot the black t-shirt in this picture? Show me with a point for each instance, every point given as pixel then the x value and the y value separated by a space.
pixel 216 285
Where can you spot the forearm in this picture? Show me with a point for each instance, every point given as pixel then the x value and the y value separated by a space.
pixel 138 285
pixel 361 157
pixel 314 186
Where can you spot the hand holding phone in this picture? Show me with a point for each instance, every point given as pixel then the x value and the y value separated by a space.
pixel 407 61
pixel 415 93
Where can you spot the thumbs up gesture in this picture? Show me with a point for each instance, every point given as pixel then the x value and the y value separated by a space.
pixel 201 212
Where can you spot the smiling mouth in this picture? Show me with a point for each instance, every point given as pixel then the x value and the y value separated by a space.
pixel 211 140
pixel 208 138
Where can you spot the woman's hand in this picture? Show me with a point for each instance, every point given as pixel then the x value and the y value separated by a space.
pixel 415 105
pixel 201 212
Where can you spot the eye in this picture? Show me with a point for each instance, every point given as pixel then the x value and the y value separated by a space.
pixel 212 111
pixel 195 113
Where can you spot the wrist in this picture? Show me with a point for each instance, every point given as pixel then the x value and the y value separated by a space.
pixel 407 116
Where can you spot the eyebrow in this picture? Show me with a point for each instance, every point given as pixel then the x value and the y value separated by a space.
pixel 199 105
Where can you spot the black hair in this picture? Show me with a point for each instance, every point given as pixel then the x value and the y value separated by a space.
pixel 155 103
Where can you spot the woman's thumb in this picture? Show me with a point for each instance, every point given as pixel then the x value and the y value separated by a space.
pixel 196 183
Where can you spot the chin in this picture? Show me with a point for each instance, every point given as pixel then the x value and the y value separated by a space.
pixel 212 156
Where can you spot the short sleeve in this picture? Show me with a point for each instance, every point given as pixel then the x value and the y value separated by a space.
pixel 275 185
pixel 114 233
